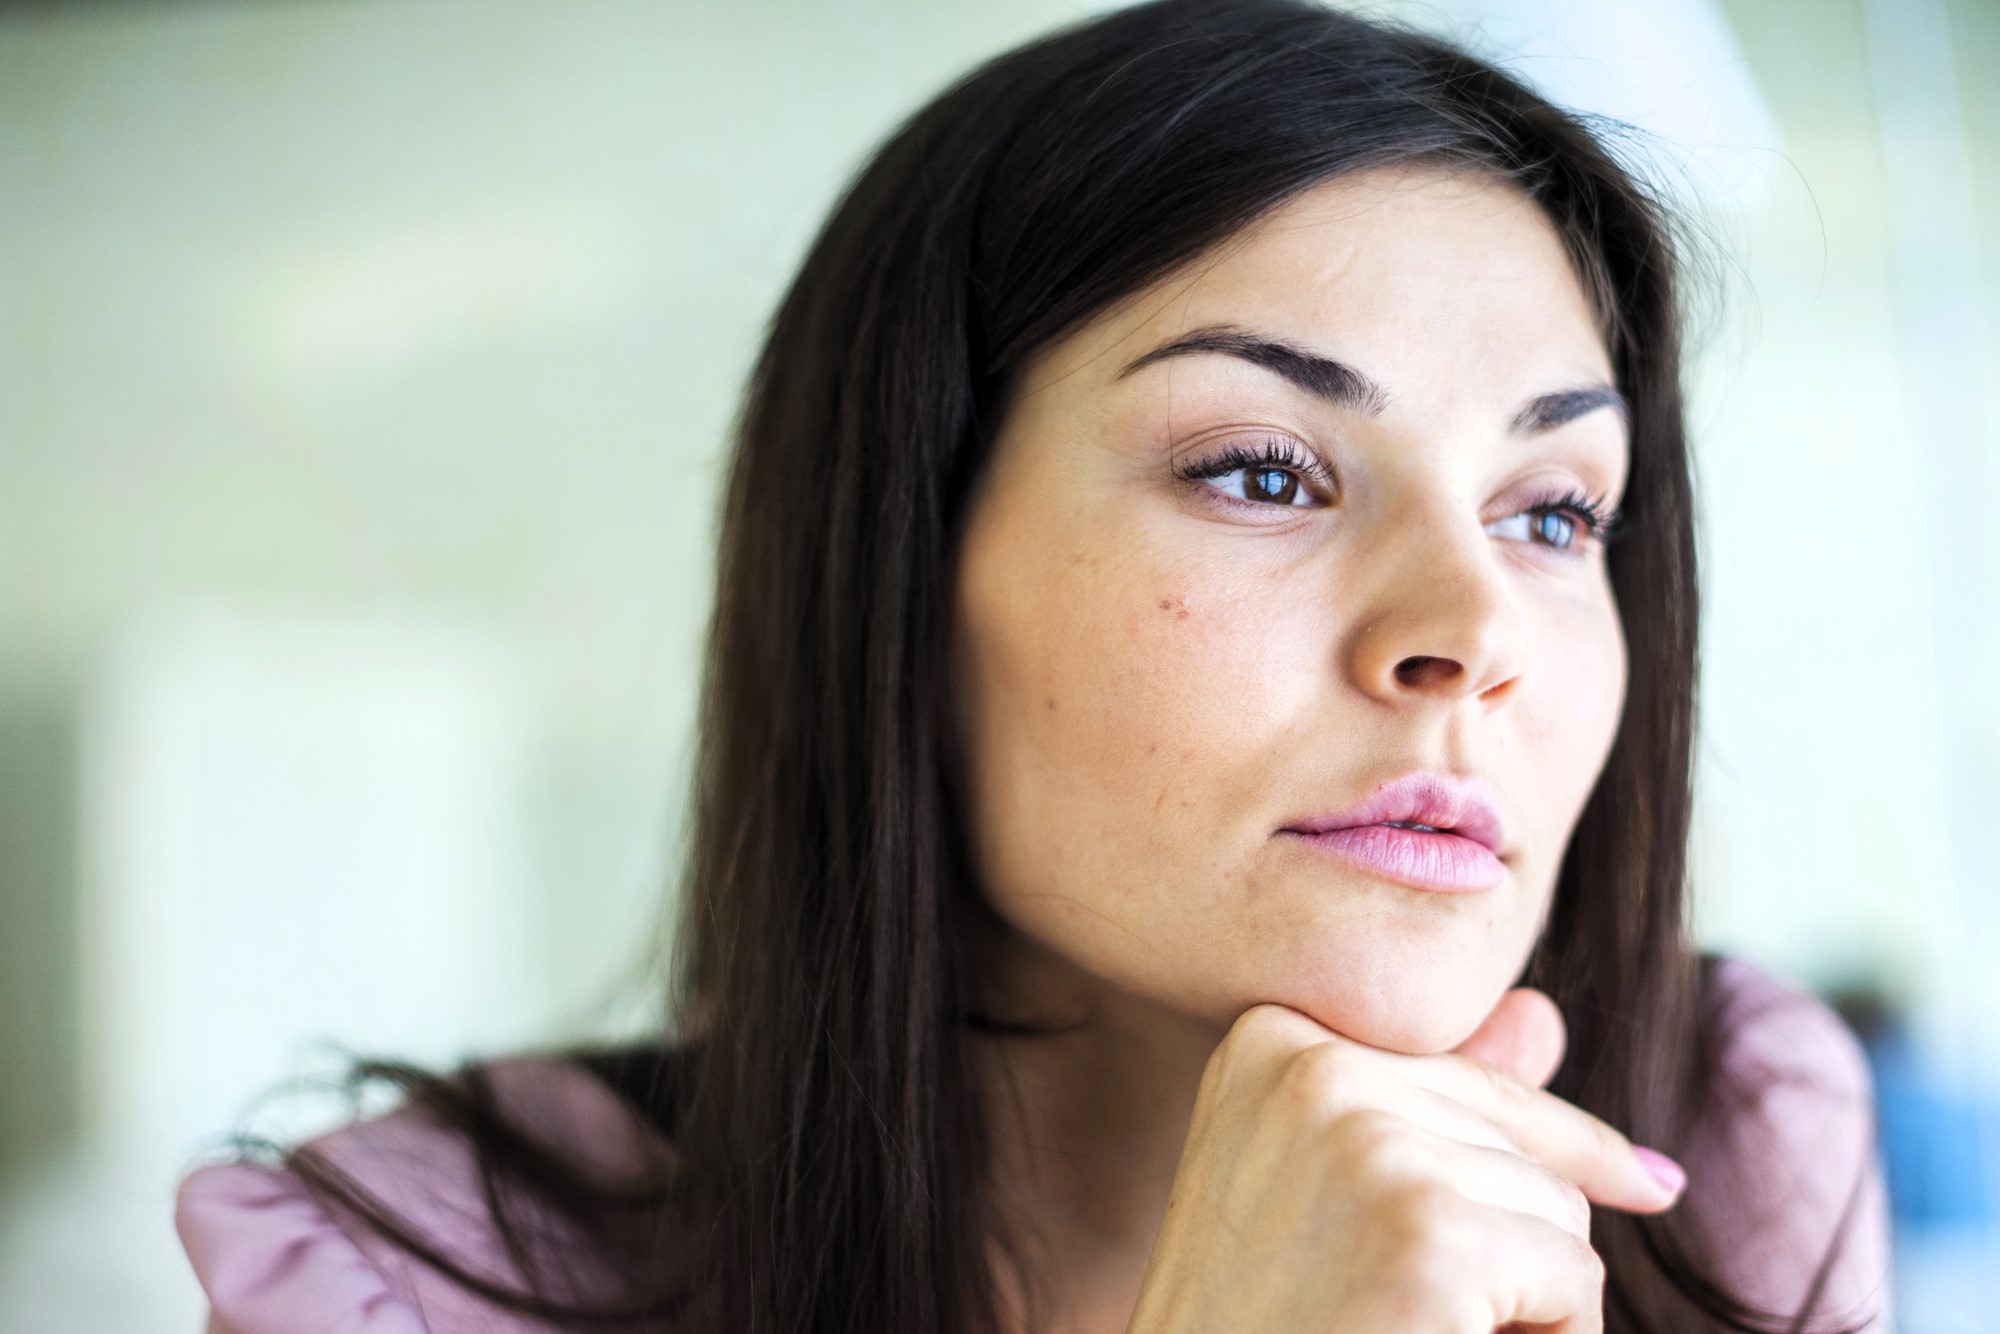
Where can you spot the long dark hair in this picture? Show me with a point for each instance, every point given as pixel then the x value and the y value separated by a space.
pixel 826 1137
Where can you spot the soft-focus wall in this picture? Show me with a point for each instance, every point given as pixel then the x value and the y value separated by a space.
pixel 365 366
pixel 1849 434
pixel 362 357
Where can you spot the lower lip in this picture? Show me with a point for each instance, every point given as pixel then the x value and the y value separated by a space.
pixel 1446 863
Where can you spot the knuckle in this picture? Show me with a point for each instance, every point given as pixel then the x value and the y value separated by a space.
pixel 1430 1245
pixel 1591 1265
pixel 1507 1091
pixel 1390 1151
pixel 1255 1033
pixel 1256 1021
pixel 1268 1024
pixel 1367 1135
pixel 1260 1037
pixel 1318 1073
pixel 1437 1245
pixel 1577 1205
pixel 1420 1216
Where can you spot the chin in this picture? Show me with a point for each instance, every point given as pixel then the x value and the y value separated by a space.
pixel 1419 1013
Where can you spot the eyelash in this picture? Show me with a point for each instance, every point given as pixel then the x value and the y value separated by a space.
pixel 1271 451
pixel 1596 521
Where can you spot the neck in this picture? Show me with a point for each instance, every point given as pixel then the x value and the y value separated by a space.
pixel 1085 1127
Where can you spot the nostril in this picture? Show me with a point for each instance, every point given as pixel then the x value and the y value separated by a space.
pixel 1421 673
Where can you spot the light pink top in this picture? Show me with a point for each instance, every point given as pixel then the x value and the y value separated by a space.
pixel 273 1261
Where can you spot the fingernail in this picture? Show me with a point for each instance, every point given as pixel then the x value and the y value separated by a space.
pixel 1663 1169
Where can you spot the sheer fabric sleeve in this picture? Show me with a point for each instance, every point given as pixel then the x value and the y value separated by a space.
pixel 1785 1175
pixel 274 1259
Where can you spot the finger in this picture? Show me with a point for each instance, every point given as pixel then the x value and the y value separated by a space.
pixel 1523 1035
pixel 1560 1135
pixel 1506 1180
pixel 1434 1112
pixel 1543 1276
pixel 1268 1029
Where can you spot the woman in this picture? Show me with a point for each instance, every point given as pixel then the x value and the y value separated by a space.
pixel 1196 735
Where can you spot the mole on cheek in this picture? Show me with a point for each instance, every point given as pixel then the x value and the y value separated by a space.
pixel 1178 606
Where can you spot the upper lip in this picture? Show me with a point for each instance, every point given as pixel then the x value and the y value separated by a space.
pixel 1456 805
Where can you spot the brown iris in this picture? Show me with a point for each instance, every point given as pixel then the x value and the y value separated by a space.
pixel 1272 484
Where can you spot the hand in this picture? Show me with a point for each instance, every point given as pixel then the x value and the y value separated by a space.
pixel 1329 1187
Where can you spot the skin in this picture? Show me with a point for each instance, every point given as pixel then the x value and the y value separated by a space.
pixel 1155 674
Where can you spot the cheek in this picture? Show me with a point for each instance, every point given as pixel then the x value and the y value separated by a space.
pixel 1570 717
pixel 1115 709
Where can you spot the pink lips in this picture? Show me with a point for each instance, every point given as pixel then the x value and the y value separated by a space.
pixel 1456 851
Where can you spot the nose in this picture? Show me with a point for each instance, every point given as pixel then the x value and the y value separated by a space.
pixel 1438 624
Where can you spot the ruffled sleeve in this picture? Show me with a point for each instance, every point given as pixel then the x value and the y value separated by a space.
pixel 1786 1173
pixel 273 1259
pixel 273 1262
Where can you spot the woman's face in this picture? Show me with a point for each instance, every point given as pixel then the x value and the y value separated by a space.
pixel 1255 548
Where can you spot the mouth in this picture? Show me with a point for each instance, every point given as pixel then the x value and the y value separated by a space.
pixel 1428 831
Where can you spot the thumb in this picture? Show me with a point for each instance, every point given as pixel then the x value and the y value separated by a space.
pixel 1523 1035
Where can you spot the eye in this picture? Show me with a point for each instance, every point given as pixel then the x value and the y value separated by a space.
pixel 1274 472
pixel 1272 486
pixel 1565 523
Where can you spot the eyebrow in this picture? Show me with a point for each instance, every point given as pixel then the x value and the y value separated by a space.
pixel 1549 411
pixel 1345 387
pixel 1322 377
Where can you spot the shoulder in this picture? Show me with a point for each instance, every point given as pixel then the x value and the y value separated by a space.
pixel 275 1259
pixel 1774 1037
pixel 1782 1166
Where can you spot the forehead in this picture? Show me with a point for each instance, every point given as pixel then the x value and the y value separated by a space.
pixel 1450 287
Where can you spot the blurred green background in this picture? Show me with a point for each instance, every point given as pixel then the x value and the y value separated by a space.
pixel 365 371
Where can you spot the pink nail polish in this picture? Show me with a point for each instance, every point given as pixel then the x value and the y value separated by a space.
pixel 1663 1169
